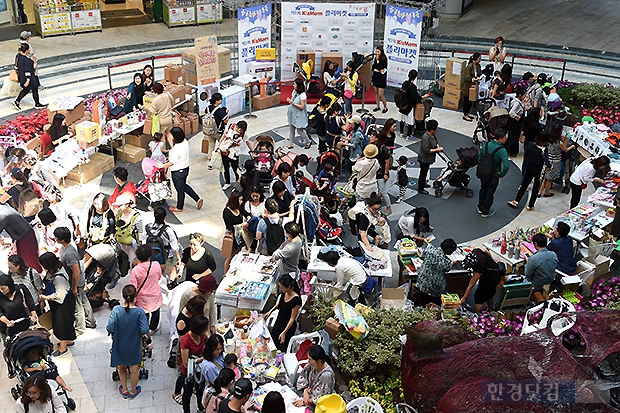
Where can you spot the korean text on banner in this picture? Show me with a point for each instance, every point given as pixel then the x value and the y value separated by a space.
pixel 254 31
pixel 325 28
pixel 206 60
pixel 403 28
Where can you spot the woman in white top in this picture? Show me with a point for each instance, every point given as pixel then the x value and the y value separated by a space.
pixel 298 113
pixel 331 83
pixel 38 397
pixel 255 206
pixel 366 169
pixel 178 162
pixel 585 174
pixel 348 270
pixel 497 54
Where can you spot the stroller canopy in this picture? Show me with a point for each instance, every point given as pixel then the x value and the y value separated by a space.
pixel 468 156
pixel 105 255
pixel 26 340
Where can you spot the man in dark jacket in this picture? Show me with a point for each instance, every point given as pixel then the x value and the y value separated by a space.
pixel 428 150
pixel 28 80
pixel 413 97
pixel 501 163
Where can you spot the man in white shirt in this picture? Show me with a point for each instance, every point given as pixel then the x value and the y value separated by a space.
pixel 178 162
pixel 348 270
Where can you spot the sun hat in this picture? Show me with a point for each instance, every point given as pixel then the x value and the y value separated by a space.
pixel 370 151
pixel 356 119
pixel 207 284
pixel 124 198
pixel 243 387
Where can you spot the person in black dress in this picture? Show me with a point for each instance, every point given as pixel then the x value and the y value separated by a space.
pixel 288 304
pixel 28 80
pixel 487 274
pixel 379 78
pixel 16 303
pixel 196 259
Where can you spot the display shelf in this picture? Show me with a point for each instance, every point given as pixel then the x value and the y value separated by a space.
pixel 208 11
pixel 86 16
pixel 52 18
pixel 179 12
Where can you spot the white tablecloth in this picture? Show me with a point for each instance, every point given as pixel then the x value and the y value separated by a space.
pixel 327 272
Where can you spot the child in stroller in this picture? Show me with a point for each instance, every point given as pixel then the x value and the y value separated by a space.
pixel 35 363
pixel 490 118
pixel 455 173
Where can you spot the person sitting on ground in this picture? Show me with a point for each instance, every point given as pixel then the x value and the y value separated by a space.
pixel 540 267
pixel 562 245
pixel 432 276
pixel 121 177
pixel 240 395
pixel 38 397
pixel 317 379
pixel 35 363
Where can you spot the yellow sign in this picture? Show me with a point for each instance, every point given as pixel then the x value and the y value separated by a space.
pixel 266 55
pixel 207 68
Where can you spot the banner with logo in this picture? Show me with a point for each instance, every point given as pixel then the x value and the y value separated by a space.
pixel 325 27
pixel 403 28
pixel 206 60
pixel 254 31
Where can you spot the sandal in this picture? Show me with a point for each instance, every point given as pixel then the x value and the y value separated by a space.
pixel 123 393
pixel 513 204
pixel 177 398
pixel 175 209
pixel 137 391
pixel 529 208
pixel 308 145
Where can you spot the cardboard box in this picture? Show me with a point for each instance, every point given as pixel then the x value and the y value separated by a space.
pixel 452 98
pixel 269 101
pixel 35 145
pixel 332 326
pixel 392 297
pixel 87 145
pixel 98 165
pixel 334 57
pixel 71 116
pixel 205 146
pixel 173 73
pixel 187 126
pixel 365 76
pixel 190 78
pixel 147 100
pixel 223 59
pixel 87 131
pixel 132 154
pixel 195 122
pixel 177 92
pixel 452 82
pixel 266 54
pixel 455 67
pixel 305 54
pixel 141 141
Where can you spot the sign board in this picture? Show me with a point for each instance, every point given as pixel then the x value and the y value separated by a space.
pixel 206 60
pixel 254 31
pixel 403 28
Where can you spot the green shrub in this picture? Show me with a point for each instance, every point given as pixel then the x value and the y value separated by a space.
pixel 321 308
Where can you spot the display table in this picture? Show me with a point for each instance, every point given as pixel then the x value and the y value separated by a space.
pixel 288 394
pixel 65 157
pixel 590 138
pixel 326 272
pixel 249 282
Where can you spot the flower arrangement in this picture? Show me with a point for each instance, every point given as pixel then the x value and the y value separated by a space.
pixel 119 96
pixel 605 295
pixel 486 325
pixel 517 83
pixel 562 84
pixel 24 128
pixel 605 115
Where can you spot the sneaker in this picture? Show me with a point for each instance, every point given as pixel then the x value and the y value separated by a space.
pixel 479 211
pixel 398 200
pixel 225 187
pixel 58 353
pixel 423 192
pixel 112 284
pixel 137 391
pixel 210 167
pixel 488 214
pixel 40 106
pixel 427 185
pixel 123 393
pixel 16 105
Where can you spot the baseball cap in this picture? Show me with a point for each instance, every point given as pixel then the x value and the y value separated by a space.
pixel 25 34
pixel 243 387
pixel 124 198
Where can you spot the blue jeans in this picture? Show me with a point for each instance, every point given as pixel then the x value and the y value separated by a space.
pixel 179 179
pixel 348 105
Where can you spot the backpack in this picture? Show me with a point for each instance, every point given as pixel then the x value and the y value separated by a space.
pixel 28 202
pixel 401 99
pixel 209 393
pixel 486 167
pixel 124 235
pixel 274 236
pixel 209 125
pixel 160 248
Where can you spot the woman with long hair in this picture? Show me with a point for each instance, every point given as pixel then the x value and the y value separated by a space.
pixel 148 77
pixel 127 325
pixel 379 78
pixel 297 113
pixel 497 89
pixel 471 75
pixel 38 397
pixel 213 356
pixel 288 304
pixel 274 403
pixel 329 78
pixel 335 125
pixel 100 223
pixel 57 130
pixel 234 220
pixel 219 391
pixel 135 94
pixel 350 86
pixel 28 277
pixel 385 161
pixel 406 115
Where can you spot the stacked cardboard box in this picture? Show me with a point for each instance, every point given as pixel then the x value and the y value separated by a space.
pixel 99 164
pixel 173 74
pixel 141 141
pixel 189 122
pixel 71 116
pixel 452 82
pixel 87 131
pixel 190 74
pixel 130 153
pixel 268 101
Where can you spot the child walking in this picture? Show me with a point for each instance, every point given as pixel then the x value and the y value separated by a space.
pixel 403 179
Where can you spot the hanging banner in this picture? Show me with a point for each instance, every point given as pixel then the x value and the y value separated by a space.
pixel 206 60
pixel 324 28
pixel 254 32
pixel 403 28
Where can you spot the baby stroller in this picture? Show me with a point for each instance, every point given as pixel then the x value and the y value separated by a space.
pixel 264 158
pixel 16 357
pixel 155 187
pixel 455 173
pixel 490 118
pixel 143 373
pixel 328 231
pixel 106 256
pixel 331 156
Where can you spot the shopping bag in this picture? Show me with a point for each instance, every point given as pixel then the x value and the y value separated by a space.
pixel 205 146
pixel 227 245
pixel 418 113
pixel 155 124
pixel 159 191
pixel 45 320
pixel 216 161
pixel 473 92
pixel 13 76
pixel 351 320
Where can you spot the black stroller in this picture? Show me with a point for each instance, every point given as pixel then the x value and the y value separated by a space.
pixel 490 118
pixel 16 354
pixel 104 255
pixel 455 173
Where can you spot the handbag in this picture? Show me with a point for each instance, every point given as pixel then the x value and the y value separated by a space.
pixel 159 191
pixel 154 124
pixel 14 76
pixel 227 245
pixel 418 113
pixel 473 92
pixel 216 161
pixel 45 320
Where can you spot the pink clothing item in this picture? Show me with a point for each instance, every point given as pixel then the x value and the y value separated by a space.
pixel 216 399
pixel 149 298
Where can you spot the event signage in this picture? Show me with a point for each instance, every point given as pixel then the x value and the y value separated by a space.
pixel 254 32
pixel 325 28
pixel 206 60
pixel 403 28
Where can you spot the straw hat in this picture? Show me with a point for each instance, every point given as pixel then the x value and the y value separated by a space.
pixel 370 151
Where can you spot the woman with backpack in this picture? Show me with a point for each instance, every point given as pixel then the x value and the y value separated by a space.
pixel 129 228
pixel 213 122
pixel 145 276
pixel 366 169
pixel 100 223
pixel 471 75
pixel 411 98
pixel 25 197
pixel 192 346
pixel 164 242
pixel 220 390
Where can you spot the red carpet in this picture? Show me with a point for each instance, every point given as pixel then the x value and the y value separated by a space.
pixel 286 92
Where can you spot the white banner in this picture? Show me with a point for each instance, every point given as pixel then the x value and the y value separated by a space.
pixel 325 27
pixel 254 31
pixel 403 28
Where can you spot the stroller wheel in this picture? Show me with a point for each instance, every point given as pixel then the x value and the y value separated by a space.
pixel 115 376
pixel 437 185
pixel 14 393
pixel 438 193
pixel 149 353
pixel 146 374
pixel 469 193
pixel 71 404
